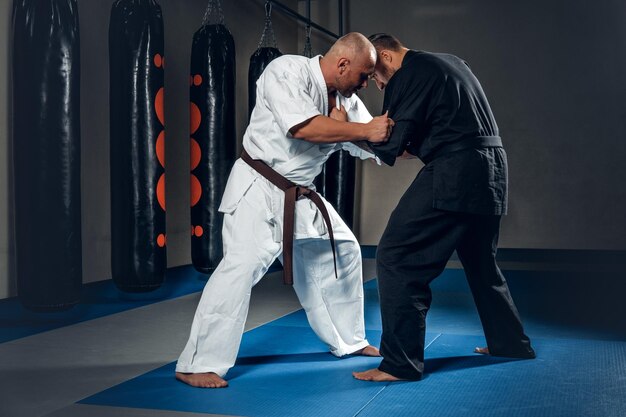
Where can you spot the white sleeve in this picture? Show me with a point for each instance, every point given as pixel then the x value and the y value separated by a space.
pixel 357 112
pixel 287 95
pixel 358 152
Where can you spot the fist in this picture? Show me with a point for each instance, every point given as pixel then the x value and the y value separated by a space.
pixel 379 128
pixel 339 114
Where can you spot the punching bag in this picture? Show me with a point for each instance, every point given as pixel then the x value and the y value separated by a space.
pixel 258 62
pixel 339 179
pixel 46 152
pixel 266 52
pixel 213 136
pixel 137 136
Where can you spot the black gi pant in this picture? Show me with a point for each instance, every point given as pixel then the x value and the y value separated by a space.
pixel 414 250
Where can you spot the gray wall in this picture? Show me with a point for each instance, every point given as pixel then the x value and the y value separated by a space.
pixel 245 19
pixel 554 74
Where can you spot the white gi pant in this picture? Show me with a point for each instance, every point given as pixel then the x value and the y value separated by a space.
pixel 252 240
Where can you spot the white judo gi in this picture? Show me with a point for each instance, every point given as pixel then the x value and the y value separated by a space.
pixel 290 91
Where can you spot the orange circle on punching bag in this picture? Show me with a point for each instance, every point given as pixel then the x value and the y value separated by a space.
pixel 158 60
pixel 198 231
pixel 161 240
pixel 160 191
pixel 194 116
pixel 194 152
pixel 158 106
pixel 160 148
pixel 197 79
pixel 196 190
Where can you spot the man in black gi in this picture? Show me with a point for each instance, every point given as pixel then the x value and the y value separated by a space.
pixel 442 116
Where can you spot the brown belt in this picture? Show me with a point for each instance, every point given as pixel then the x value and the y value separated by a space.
pixel 292 192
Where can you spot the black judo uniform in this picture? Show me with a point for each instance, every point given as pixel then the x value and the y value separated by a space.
pixel 455 203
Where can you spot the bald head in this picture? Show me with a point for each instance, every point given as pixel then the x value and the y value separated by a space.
pixel 354 46
pixel 348 64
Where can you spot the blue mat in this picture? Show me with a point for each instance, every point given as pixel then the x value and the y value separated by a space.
pixel 569 378
pixel 280 369
pixel 453 308
pixel 283 369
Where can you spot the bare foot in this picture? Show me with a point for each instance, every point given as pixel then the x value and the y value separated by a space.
pixel 482 350
pixel 375 375
pixel 204 380
pixel 367 351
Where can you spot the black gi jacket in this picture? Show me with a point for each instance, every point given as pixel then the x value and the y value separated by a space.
pixel 442 116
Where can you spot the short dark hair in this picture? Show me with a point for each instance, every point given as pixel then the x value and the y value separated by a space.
pixel 385 41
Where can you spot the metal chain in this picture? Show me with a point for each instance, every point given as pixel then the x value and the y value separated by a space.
pixel 268 39
pixel 308 48
pixel 213 7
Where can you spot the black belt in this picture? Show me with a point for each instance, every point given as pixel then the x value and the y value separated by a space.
pixel 478 142
pixel 292 192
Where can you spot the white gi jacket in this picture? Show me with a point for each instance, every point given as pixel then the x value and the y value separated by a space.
pixel 290 91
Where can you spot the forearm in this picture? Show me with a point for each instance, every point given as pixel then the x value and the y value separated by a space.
pixel 322 129
pixel 402 132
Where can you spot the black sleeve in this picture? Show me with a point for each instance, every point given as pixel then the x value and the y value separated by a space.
pixel 397 103
pixel 406 99
pixel 402 133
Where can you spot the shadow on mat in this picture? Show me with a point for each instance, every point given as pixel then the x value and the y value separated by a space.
pixel 243 363
pixel 286 358
pixel 454 363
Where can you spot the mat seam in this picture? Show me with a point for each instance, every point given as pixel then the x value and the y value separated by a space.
pixel 371 399
pixel 431 342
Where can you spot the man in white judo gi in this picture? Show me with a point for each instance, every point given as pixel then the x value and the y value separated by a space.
pixel 305 110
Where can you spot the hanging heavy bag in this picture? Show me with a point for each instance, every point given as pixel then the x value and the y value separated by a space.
pixel 266 52
pixel 138 255
pixel 46 152
pixel 258 62
pixel 339 184
pixel 213 135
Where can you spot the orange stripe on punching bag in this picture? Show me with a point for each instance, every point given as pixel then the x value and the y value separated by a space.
pixel 160 191
pixel 160 148
pixel 195 117
pixel 158 106
pixel 196 190
pixel 158 61
pixel 194 150
pixel 160 145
